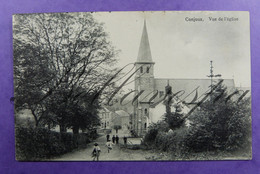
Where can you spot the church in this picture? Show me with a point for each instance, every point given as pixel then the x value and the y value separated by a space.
pixel 154 88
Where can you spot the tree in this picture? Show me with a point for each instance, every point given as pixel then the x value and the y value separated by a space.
pixel 221 124
pixel 117 127
pixel 174 119
pixel 59 59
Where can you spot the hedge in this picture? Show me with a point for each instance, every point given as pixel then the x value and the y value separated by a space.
pixel 40 144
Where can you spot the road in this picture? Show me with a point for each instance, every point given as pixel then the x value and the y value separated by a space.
pixel 117 154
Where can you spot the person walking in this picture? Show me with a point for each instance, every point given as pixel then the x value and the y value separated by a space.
pixel 117 139
pixel 125 140
pixel 113 139
pixel 108 136
pixel 96 152
pixel 109 145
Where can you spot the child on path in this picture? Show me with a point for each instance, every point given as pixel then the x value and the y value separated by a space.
pixel 96 152
pixel 108 136
pixel 109 146
pixel 125 140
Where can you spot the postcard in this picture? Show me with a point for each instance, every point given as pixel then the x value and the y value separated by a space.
pixel 132 86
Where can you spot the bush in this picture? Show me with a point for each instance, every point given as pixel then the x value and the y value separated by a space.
pixel 36 144
pixel 153 130
pixel 174 120
pixel 161 141
pixel 220 127
pixel 150 136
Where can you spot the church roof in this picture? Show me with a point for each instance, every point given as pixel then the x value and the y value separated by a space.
pixel 190 85
pixel 144 54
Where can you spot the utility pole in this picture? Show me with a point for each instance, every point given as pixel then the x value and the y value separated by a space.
pixel 211 77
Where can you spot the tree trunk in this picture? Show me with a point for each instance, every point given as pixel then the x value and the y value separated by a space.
pixel 75 130
pixel 35 118
pixel 36 123
pixel 62 128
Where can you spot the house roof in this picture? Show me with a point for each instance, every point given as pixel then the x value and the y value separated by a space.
pixel 144 54
pixel 122 113
pixel 189 86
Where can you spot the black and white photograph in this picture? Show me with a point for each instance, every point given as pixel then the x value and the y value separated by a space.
pixel 132 86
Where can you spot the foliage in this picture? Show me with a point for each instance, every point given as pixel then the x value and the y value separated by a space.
pixel 218 125
pixel 221 126
pixel 162 139
pixel 117 127
pixel 174 120
pixel 61 60
pixel 161 126
pixel 39 143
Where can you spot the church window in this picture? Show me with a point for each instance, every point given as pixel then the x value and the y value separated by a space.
pixel 147 70
pixel 141 69
pixel 145 111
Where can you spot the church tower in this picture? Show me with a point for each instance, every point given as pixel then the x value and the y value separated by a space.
pixel 144 81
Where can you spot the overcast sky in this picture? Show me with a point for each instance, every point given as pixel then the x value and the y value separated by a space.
pixel 181 48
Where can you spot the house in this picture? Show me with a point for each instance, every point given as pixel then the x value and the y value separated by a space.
pixel 105 116
pixel 122 119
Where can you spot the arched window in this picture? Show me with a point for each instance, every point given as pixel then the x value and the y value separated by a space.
pixel 141 70
pixel 145 125
pixel 147 70
pixel 145 111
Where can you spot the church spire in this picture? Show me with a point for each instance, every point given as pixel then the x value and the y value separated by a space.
pixel 144 54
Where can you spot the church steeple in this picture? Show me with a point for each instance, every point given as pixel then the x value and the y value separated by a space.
pixel 144 54
pixel 144 81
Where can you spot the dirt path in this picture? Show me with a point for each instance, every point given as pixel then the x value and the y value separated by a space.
pixel 117 154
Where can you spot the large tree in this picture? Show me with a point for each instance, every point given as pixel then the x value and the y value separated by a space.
pixel 59 59
pixel 221 123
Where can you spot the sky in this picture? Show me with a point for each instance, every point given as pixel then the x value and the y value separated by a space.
pixel 182 48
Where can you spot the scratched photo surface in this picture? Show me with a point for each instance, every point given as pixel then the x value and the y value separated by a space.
pixel 132 86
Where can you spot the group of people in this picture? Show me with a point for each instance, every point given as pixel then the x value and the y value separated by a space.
pixel 115 140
